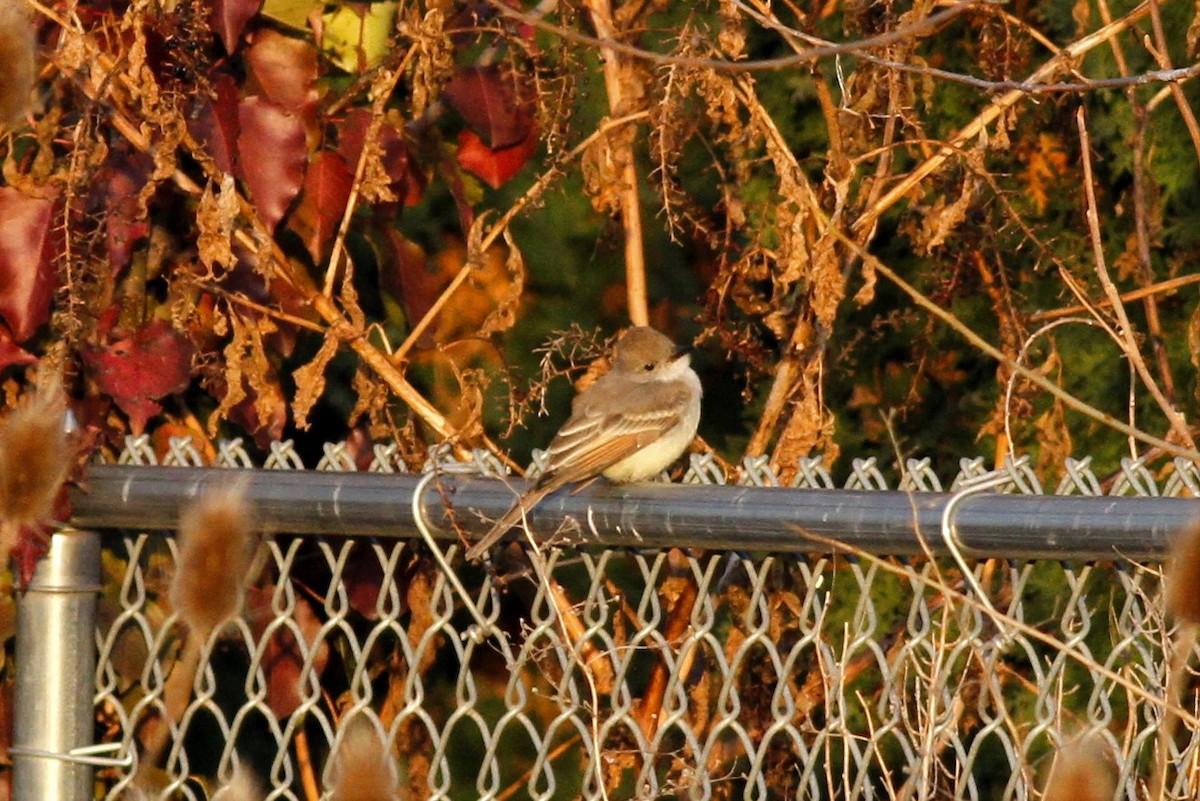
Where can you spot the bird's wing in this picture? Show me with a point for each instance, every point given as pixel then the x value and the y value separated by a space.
pixel 597 435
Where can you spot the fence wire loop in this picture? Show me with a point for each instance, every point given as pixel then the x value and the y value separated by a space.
pixel 950 536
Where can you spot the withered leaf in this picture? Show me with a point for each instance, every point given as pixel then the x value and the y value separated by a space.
pixel 215 217
pixel 310 381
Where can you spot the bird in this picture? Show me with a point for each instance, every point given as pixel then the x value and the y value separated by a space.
pixel 630 425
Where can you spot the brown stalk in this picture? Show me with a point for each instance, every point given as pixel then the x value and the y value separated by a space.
pixel 791 363
pixel 382 90
pixel 646 713
pixel 1169 285
pixel 1163 57
pixel 990 350
pixel 1131 350
pixel 1141 223
pixel 616 75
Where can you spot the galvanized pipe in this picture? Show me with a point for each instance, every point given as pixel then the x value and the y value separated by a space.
pixel 56 667
pixel 698 516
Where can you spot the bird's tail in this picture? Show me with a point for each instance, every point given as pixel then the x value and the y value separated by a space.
pixel 510 519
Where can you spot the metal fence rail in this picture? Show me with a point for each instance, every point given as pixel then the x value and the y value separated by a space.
pixel 757 664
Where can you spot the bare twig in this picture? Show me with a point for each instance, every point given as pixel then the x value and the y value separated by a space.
pixel 1169 285
pixel 1125 328
pixel 1161 54
pixel 620 148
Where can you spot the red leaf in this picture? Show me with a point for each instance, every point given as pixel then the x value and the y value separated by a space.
pixel 10 352
pixel 486 99
pixel 215 123
pixel 229 18
pixel 285 69
pixel 27 275
pixel 407 273
pixel 495 167
pixel 363 578
pixel 272 149
pixel 326 192
pixel 136 371
pixel 119 183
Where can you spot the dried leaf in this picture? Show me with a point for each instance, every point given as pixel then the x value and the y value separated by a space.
pixel 941 220
pixel 215 218
pixel 310 381
pixel 1046 164
pixel 389 172
pixel 506 292
pixel 272 151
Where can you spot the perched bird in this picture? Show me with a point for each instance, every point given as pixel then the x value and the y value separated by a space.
pixel 630 425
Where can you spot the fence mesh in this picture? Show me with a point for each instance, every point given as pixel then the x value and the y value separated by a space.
pixel 641 674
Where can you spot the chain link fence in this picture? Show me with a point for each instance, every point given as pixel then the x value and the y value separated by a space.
pixel 617 672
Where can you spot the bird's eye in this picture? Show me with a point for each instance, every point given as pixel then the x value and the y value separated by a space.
pixel 648 366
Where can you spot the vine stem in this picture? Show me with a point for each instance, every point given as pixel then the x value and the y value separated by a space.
pixel 621 151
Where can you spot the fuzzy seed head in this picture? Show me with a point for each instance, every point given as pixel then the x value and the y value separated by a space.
pixel 363 769
pixel 1081 773
pixel 1182 580
pixel 17 66
pixel 35 456
pixel 242 786
pixel 216 544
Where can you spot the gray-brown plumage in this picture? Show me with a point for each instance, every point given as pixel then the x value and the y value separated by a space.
pixel 630 425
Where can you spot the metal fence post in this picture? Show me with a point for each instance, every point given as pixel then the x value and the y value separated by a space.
pixel 55 671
